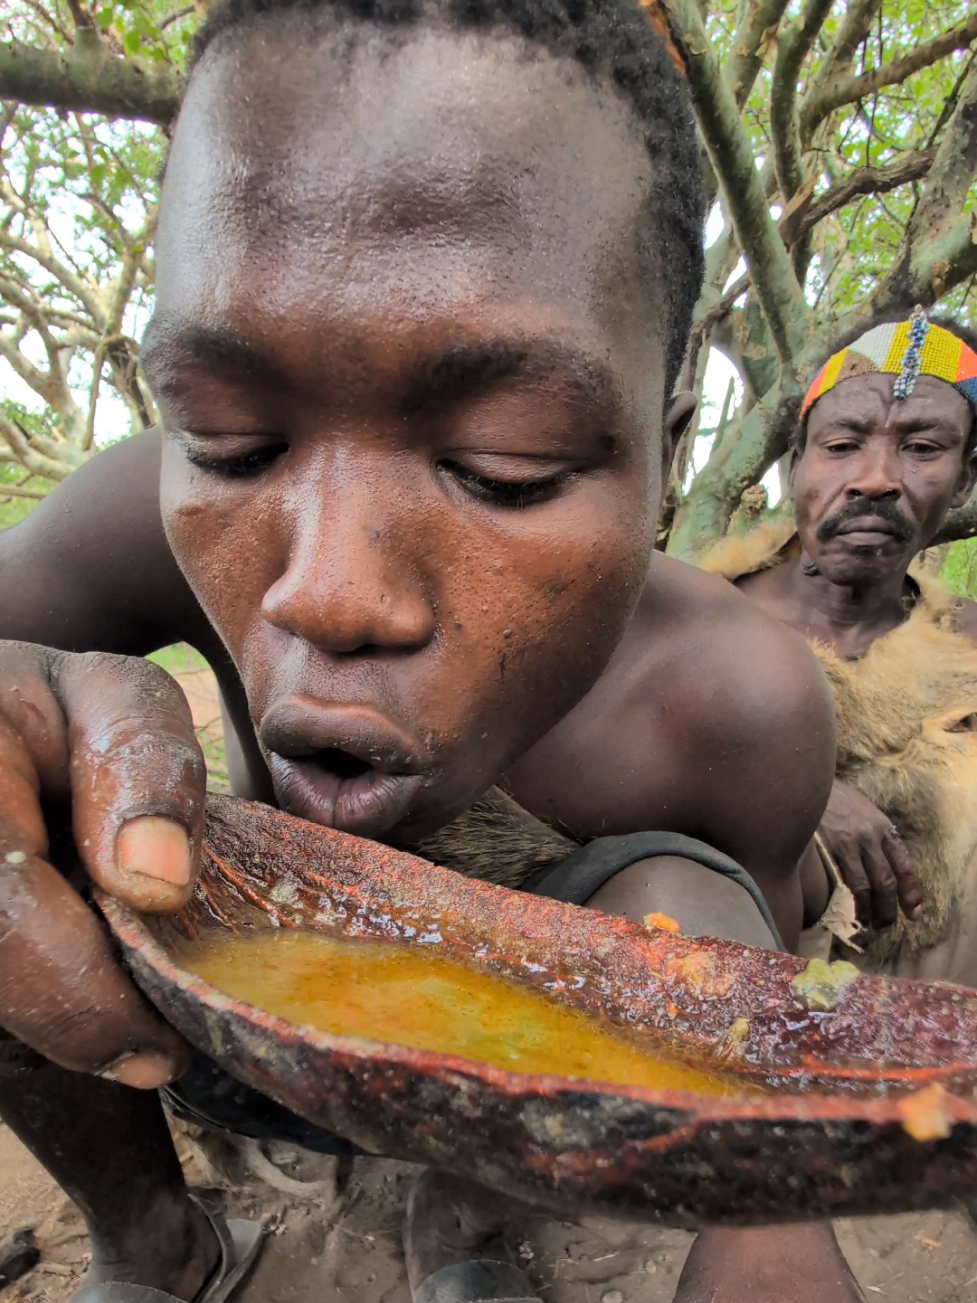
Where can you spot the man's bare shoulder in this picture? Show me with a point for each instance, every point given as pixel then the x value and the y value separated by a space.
pixel 90 568
pixel 756 673
pixel 751 726
pixel 711 719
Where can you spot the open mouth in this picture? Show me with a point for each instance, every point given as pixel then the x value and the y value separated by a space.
pixel 332 760
pixel 333 787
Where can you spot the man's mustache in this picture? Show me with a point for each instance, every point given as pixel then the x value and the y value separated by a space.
pixel 866 508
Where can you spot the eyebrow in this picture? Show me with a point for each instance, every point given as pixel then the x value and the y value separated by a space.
pixel 466 370
pixel 222 349
pixel 460 371
pixel 918 424
pixel 915 425
pixel 847 423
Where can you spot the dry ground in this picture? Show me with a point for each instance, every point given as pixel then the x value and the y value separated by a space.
pixel 343 1246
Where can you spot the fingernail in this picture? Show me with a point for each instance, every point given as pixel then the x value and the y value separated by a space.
pixel 915 913
pixel 155 848
pixel 141 1071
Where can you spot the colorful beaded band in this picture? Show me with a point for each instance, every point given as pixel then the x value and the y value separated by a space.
pixel 907 350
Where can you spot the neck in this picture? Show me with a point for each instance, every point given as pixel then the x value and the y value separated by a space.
pixel 847 615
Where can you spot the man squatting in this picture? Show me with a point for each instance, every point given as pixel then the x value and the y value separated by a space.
pixel 884 448
pixel 424 281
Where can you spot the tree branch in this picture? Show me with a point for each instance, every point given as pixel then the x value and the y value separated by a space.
pixel 89 79
pixel 863 181
pixel 731 155
pixel 18 491
pixel 793 48
pixel 175 16
pixel 736 463
pixel 958 524
pixel 855 26
pixel 939 249
pixel 65 275
pixel 31 460
pixel 792 178
pixel 849 89
pixel 953 168
pixel 757 27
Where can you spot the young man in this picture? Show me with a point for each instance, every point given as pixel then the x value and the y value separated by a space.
pixel 885 448
pixel 423 283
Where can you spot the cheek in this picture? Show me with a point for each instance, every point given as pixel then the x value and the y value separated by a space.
pixel 930 489
pixel 539 621
pixel 225 543
pixel 818 490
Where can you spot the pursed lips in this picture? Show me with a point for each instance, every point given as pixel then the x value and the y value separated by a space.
pixel 341 765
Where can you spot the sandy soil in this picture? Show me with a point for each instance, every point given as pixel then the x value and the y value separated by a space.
pixel 342 1245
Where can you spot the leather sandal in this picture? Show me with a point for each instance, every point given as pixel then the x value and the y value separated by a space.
pixel 239 1241
pixel 480 1280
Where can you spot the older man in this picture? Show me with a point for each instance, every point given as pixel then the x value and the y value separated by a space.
pixel 885 447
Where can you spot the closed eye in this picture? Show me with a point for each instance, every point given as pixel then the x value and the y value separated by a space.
pixel 238 466
pixel 512 494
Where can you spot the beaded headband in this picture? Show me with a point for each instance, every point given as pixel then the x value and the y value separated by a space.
pixel 907 350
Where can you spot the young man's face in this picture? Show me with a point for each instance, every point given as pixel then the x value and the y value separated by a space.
pixel 877 476
pixel 412 398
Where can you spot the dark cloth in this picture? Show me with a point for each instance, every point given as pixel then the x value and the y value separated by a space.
pixel 210 1097
pixel 586 870
pixel 207 1096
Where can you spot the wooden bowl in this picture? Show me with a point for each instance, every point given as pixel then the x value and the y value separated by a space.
pixel 872 1105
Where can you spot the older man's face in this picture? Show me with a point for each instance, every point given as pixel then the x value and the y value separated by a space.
pixel 877 476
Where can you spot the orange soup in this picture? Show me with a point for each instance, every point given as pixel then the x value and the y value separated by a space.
pixel 408 995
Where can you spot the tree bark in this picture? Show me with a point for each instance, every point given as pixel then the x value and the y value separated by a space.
pixel 87 78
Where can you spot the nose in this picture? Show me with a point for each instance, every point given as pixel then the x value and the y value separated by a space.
pixel 350 582
pixel 876 474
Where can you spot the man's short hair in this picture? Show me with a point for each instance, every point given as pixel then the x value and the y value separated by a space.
pixel 798 440
pixel 618 46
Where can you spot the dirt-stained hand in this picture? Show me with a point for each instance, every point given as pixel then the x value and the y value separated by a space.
pixel 871 856
pixel 113 735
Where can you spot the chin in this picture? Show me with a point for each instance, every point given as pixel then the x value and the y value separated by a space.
pixel 863 566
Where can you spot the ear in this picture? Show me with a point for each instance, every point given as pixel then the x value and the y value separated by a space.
pixel 965 482
pixel 795 456
pixel 678 418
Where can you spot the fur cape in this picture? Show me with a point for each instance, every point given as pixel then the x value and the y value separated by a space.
pixel 496 840
pixel 906 718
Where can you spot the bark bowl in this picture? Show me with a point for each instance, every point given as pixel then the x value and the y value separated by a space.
pixel 872 1080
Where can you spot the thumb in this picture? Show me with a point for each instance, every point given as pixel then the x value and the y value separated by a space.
pixel 138 779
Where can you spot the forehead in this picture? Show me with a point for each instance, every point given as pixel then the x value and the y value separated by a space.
pixel 330 177
pixel 866 401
